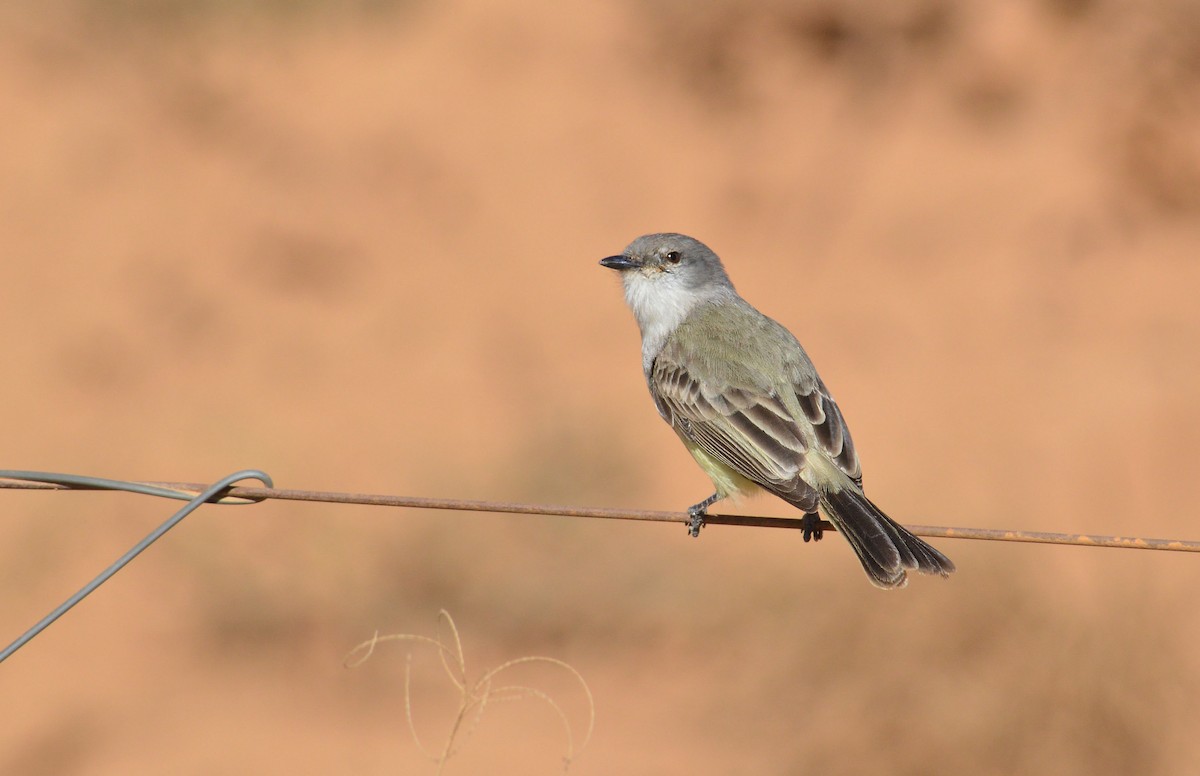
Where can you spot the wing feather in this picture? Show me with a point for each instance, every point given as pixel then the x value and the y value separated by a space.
pixel 832 433
pixel 760 428
pixel 749 431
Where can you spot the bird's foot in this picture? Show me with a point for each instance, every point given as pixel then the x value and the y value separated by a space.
pixel 697 512
pixel 810 527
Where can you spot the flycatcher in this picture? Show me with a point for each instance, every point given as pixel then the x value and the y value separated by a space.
pixel 742 394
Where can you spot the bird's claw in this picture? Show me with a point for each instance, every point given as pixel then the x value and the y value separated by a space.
pixel 697 513
pixel 810 527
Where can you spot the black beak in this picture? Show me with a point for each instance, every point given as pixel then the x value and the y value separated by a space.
pixel 620 262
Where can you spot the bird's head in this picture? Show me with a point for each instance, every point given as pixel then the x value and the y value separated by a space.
pixel 666 275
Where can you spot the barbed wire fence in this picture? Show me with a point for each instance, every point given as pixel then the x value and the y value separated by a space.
pixel 227 491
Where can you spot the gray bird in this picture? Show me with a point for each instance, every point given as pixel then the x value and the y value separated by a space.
pixel 742 394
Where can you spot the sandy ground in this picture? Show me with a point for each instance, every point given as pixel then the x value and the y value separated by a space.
pixel 355 246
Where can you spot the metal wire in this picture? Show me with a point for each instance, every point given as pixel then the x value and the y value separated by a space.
pixel 928 531
pixel 225 492
pixel 56 481
pixel 214 492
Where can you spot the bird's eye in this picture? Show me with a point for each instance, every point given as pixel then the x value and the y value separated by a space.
pixel 673 257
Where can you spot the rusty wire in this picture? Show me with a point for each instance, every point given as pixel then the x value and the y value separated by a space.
pixel 244 494
pixel 224 491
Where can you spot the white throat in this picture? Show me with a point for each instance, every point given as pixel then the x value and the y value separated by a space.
pixel 660 304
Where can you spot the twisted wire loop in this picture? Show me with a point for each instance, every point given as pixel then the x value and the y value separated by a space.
pixel 211 493
pixel 28 480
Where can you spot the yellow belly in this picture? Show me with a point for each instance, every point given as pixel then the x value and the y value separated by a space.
pixel 726 480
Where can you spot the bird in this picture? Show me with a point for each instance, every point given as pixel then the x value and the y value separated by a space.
pixel 747 403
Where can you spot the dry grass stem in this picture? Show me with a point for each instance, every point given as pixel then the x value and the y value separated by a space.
pixel 474 696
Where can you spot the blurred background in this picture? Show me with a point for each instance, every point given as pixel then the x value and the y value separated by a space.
pixel 354 244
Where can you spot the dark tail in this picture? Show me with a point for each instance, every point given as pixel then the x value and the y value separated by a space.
pixel 884 546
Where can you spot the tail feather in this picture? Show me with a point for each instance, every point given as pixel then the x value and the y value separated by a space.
pixel 884 547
